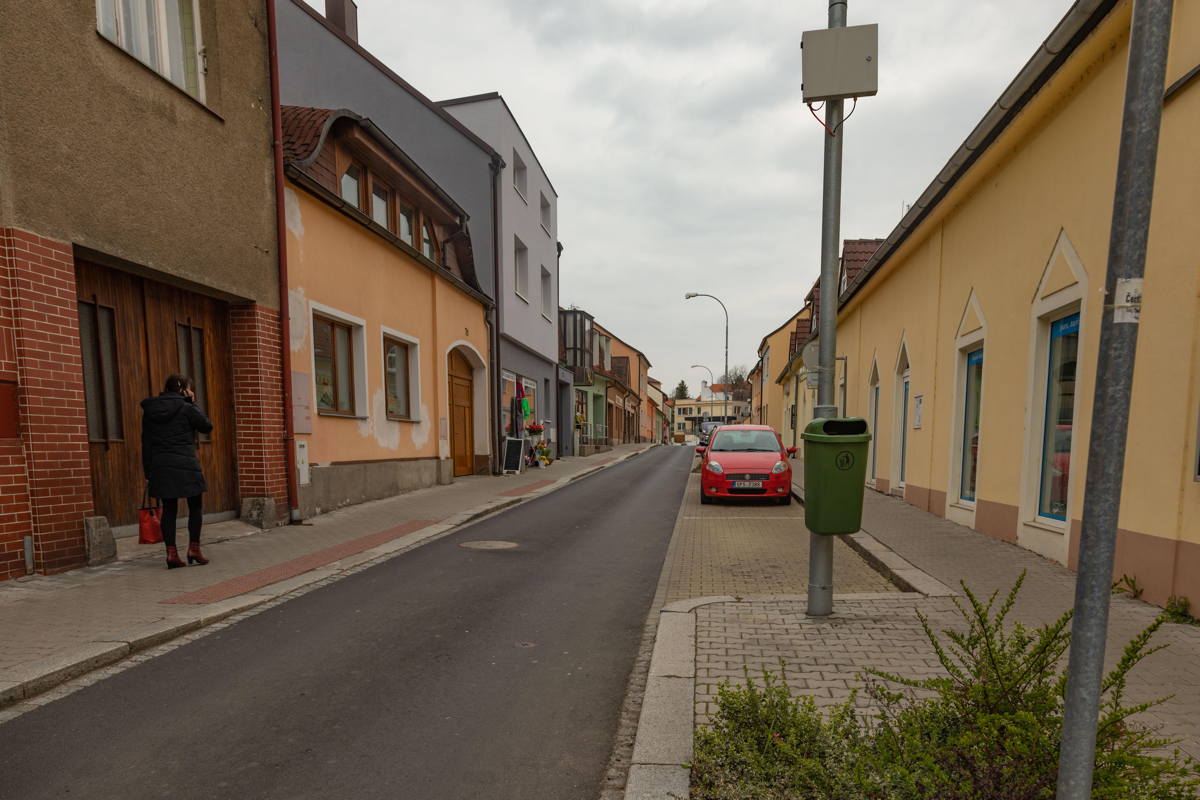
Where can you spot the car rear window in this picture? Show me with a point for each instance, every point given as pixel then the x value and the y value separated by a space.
pixel 726 441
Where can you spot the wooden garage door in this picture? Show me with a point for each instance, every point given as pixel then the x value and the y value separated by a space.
pixel 134 332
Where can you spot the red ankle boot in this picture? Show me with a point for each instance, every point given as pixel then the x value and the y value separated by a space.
pixel 194 556
pixel 173 560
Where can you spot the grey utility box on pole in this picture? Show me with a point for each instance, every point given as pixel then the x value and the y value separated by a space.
pixel 840 63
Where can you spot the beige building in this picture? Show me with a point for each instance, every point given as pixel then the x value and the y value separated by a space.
pixel 972 334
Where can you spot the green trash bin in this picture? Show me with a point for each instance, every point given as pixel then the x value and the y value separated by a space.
pixel 835 470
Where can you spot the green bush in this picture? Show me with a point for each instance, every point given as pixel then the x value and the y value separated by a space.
pixel 988 729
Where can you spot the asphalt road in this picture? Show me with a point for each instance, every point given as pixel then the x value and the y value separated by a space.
pixel 444 673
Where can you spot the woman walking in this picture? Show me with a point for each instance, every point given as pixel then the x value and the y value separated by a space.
pixel 170 423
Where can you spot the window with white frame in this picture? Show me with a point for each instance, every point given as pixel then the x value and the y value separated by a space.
pixel 1057 431
pixel 162 34
pixel 547 221
pixel 520 176
pixel 903 393
pixel 508 391
pixel 339 363
pixel 969 444
pixel 400 376
pixel 873 415
pixel 521 267
pixel 547 294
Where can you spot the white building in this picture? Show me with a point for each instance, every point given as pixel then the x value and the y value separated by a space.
pixel 527 252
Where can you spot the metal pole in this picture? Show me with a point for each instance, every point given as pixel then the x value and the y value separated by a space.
pixel 1149 39
pixel 820 548
pixel 728 383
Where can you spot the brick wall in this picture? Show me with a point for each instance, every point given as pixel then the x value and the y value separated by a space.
pixel 45 475
pixel 258 404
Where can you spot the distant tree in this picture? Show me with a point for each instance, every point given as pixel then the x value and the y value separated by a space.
pixel 681 391
pixel 738 384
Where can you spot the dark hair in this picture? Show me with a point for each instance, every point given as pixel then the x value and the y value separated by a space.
pixel 177 383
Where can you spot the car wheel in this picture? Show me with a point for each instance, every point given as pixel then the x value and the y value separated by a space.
pixel 786 500
pixel 705 499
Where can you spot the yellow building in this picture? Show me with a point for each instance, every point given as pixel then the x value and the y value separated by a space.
pixel 388 330
pixel 972 334
pixel 773 400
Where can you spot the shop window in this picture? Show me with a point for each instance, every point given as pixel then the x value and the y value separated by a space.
pixel 333 366
pixel 531 391
pixel 162 34
pixel 507 393
pixel 396 378
pixel 189 344
pixel 1061 362
pixel 352 185
pixel 101 391
pixel 972 396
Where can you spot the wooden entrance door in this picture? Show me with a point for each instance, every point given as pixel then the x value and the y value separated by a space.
pixel 462 414
pixel 134 332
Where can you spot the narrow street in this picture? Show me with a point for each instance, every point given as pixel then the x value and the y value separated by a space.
pixel 447 672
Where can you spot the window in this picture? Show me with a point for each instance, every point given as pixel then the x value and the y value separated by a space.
pixel 189 343
pixel 1060 413
pixel 98 341
pixel 970 440
pixel 900 430
pixel 404 222
pixel 396 378
pixel 547 222
pixel 531 391
pixel 521 265
pixel 162 34
pixel 904 428
pixel 428 243
pixel 520 175
pixel 873 411
pixel 380 196
pixel 547 294
pixel 333 366
pixel 351 185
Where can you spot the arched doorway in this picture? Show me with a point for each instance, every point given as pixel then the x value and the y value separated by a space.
pixel 462 413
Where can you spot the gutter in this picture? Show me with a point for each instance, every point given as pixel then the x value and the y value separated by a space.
pixel 285 324
pixel 1075 26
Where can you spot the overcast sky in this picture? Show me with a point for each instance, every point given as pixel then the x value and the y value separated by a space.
pixel 684 158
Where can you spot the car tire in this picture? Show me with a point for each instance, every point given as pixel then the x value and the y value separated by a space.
pixel 786 500
pixel 705 499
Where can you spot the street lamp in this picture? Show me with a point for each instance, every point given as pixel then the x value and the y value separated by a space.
pixel 710 383
pixel 689 296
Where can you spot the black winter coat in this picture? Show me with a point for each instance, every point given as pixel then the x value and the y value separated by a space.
pixel 169 426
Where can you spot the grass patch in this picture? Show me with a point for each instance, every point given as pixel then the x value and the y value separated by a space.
pixel 989 729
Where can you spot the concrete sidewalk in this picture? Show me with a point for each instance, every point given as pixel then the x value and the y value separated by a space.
pixel 704 640
pixel 55 628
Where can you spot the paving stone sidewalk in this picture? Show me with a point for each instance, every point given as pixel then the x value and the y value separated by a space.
pixel 53 628
pixel 825 657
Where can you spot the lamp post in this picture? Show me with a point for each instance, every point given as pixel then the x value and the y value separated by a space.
pixel 710 379
pixel 689 296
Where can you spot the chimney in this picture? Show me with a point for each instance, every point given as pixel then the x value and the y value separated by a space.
pixel 343 15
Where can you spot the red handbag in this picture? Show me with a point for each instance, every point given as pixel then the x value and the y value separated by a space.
pixel 149 521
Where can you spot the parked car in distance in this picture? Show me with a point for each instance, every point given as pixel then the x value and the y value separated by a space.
pixel 706 429
pixel 745 461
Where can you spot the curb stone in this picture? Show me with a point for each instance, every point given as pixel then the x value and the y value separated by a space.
pixel 663 746
pixel 36 677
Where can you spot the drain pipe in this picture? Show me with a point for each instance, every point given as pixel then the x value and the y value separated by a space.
pixel 498 435
pixel 285 327
pixel 28 555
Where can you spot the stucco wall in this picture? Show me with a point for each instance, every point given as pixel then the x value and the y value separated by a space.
pixel 1032 217
pixel 100 151
pixel 320 70
pixel 340 267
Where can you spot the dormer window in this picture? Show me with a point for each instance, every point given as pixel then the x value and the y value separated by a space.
pixel 380 202
pixel 404 220
pixel 352 185
pixel 428 243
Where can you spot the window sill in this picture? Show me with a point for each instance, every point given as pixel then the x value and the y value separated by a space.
pixel 338 415
pixel 547 230
pixel 1048 524
pixel 523 297
pixel 965 505
pixel 521 195
pixel 158 75
pixel 547 319
pixel 393 418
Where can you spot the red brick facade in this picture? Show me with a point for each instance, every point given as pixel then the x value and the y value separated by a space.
pixel 258 404
pixel 45 475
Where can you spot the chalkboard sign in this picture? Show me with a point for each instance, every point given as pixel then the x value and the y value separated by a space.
pixel 514 455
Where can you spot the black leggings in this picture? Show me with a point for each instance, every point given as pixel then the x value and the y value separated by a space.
pixel 170 506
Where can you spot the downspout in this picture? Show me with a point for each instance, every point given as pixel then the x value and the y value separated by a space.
pixel 494 339
pixel 285 326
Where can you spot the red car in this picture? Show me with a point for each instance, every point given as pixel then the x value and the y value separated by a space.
pixel 745 461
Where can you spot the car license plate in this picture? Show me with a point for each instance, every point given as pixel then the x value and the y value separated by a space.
pixel 747 484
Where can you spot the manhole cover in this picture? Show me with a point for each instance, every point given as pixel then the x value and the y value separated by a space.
pixel 488 544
